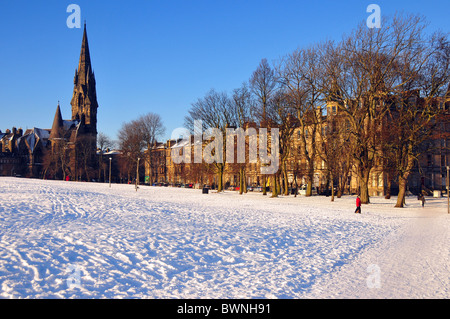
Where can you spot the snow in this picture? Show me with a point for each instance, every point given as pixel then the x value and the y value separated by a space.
pixel 86 240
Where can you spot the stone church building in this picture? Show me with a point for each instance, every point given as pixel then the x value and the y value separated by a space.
pixel 68 149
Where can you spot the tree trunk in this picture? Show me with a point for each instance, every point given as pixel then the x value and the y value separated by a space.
pixel 285 178
pixel 364 186
pixel 220 168
pixel 278 181
pixel 401 191
pixel 264 185
pixel 309 187
pixel 332 188
pixel 219 181
pixel 45 173
pixel 241 180
pixel 342 180
pixel 296 185
pixel 403 178
pixel 244 179
pixel 274 186
pixel 86 171
pixel 63 170
pixel 387 194
pixel 310 178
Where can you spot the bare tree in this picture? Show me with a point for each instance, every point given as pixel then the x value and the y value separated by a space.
pixel 150 127
pixel 281 115
pixel 51 162
pixel 368 64
pixel 335 139
pixel 215 113
pixel 132 146
pixel 263 84
pixel 85 156
pixel 135 136
pixel 57 159
pixel 104 142
pixel 300 74
pixel 243 109
pixel 424 74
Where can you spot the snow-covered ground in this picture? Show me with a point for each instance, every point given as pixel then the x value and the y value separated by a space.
pixel 86 240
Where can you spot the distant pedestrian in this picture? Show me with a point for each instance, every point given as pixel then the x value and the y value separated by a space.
pixel 358 205
pixel 423 200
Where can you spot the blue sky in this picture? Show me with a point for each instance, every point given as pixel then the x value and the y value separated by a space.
pixel 161 56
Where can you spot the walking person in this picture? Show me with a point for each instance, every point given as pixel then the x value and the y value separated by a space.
pixel 423 200
pixel 358 205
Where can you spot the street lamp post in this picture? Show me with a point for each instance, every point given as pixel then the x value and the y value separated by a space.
pixel 448 195
pixel 137 174
pixel 110 172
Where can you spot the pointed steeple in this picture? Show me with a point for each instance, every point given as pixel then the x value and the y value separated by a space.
pixel 57 124
pixel 84 63
pixel 84 98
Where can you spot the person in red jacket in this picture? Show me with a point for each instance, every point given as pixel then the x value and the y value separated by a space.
pixel 358 205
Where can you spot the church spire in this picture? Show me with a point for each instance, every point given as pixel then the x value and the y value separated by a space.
pixel 57 124
pixel 84 99
pixel 84 64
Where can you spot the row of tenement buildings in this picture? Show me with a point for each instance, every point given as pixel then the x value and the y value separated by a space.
pixel 429 173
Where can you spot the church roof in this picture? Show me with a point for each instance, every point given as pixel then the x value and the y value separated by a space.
pixel 58 124
pixel 32 137
pixel 60 127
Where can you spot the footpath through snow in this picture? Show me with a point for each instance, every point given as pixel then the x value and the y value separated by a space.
pixel 413 263
pixel 86 240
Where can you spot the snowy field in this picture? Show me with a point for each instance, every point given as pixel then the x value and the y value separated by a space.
pixel 85 240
